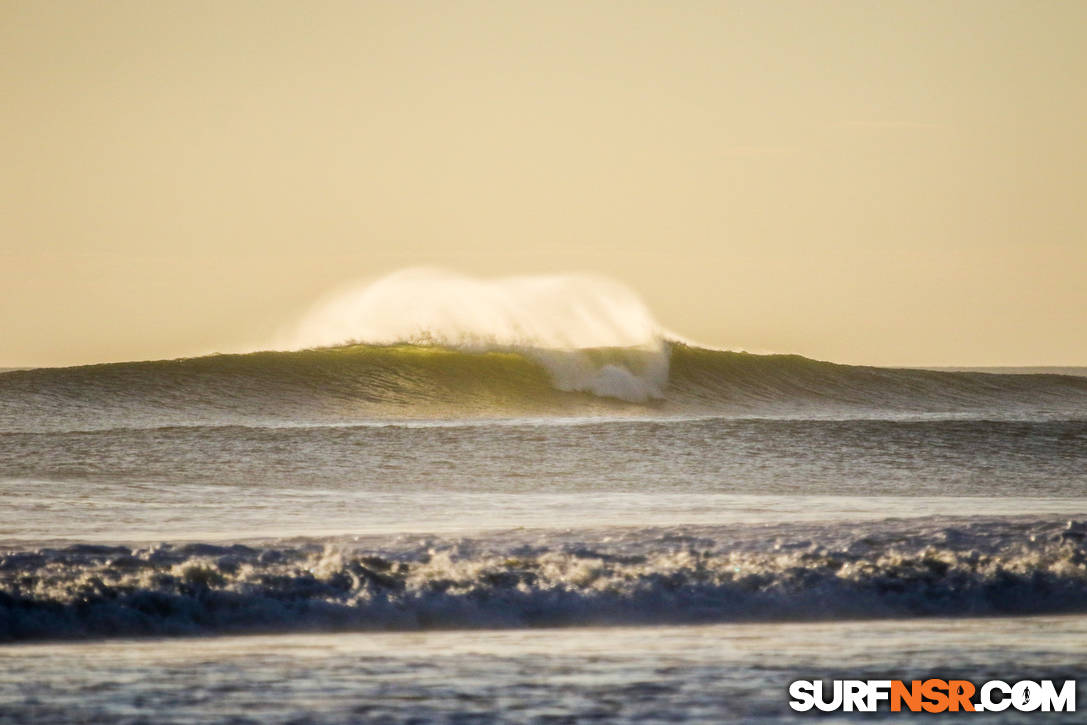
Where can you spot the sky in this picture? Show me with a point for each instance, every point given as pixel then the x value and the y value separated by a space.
pixel 890 183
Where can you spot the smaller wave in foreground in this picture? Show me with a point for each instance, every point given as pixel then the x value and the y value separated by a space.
pixel 648 576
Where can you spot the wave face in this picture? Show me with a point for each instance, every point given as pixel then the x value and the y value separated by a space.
pixel 376 382
pixel 520 579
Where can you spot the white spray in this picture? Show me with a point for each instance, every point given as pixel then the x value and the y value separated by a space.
pixel 554 318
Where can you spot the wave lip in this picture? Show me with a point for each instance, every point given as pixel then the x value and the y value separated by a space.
pixel 648 577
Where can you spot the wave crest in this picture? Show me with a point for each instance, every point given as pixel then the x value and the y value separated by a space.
pixel 549 319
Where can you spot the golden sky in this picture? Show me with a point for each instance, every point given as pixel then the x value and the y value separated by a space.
pixel 872 182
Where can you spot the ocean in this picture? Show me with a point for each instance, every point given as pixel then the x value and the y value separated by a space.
pixel 478 533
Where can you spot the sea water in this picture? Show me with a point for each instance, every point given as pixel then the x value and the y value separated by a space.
pixel 425 532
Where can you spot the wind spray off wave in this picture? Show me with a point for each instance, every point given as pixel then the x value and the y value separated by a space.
pixel 553 319
pixel 438 346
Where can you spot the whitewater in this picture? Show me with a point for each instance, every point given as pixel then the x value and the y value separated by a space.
pixel 442 498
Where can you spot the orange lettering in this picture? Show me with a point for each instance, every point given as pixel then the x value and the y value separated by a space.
pixel 959 694
pixel 912 696
pixel 934 690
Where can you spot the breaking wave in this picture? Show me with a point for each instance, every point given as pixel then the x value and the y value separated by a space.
pixel 373 382
pixel 638 576
pixel 440 345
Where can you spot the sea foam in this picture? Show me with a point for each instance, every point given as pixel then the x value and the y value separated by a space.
pixel 524 579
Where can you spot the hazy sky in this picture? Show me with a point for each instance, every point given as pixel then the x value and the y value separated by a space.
pixel 873 182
